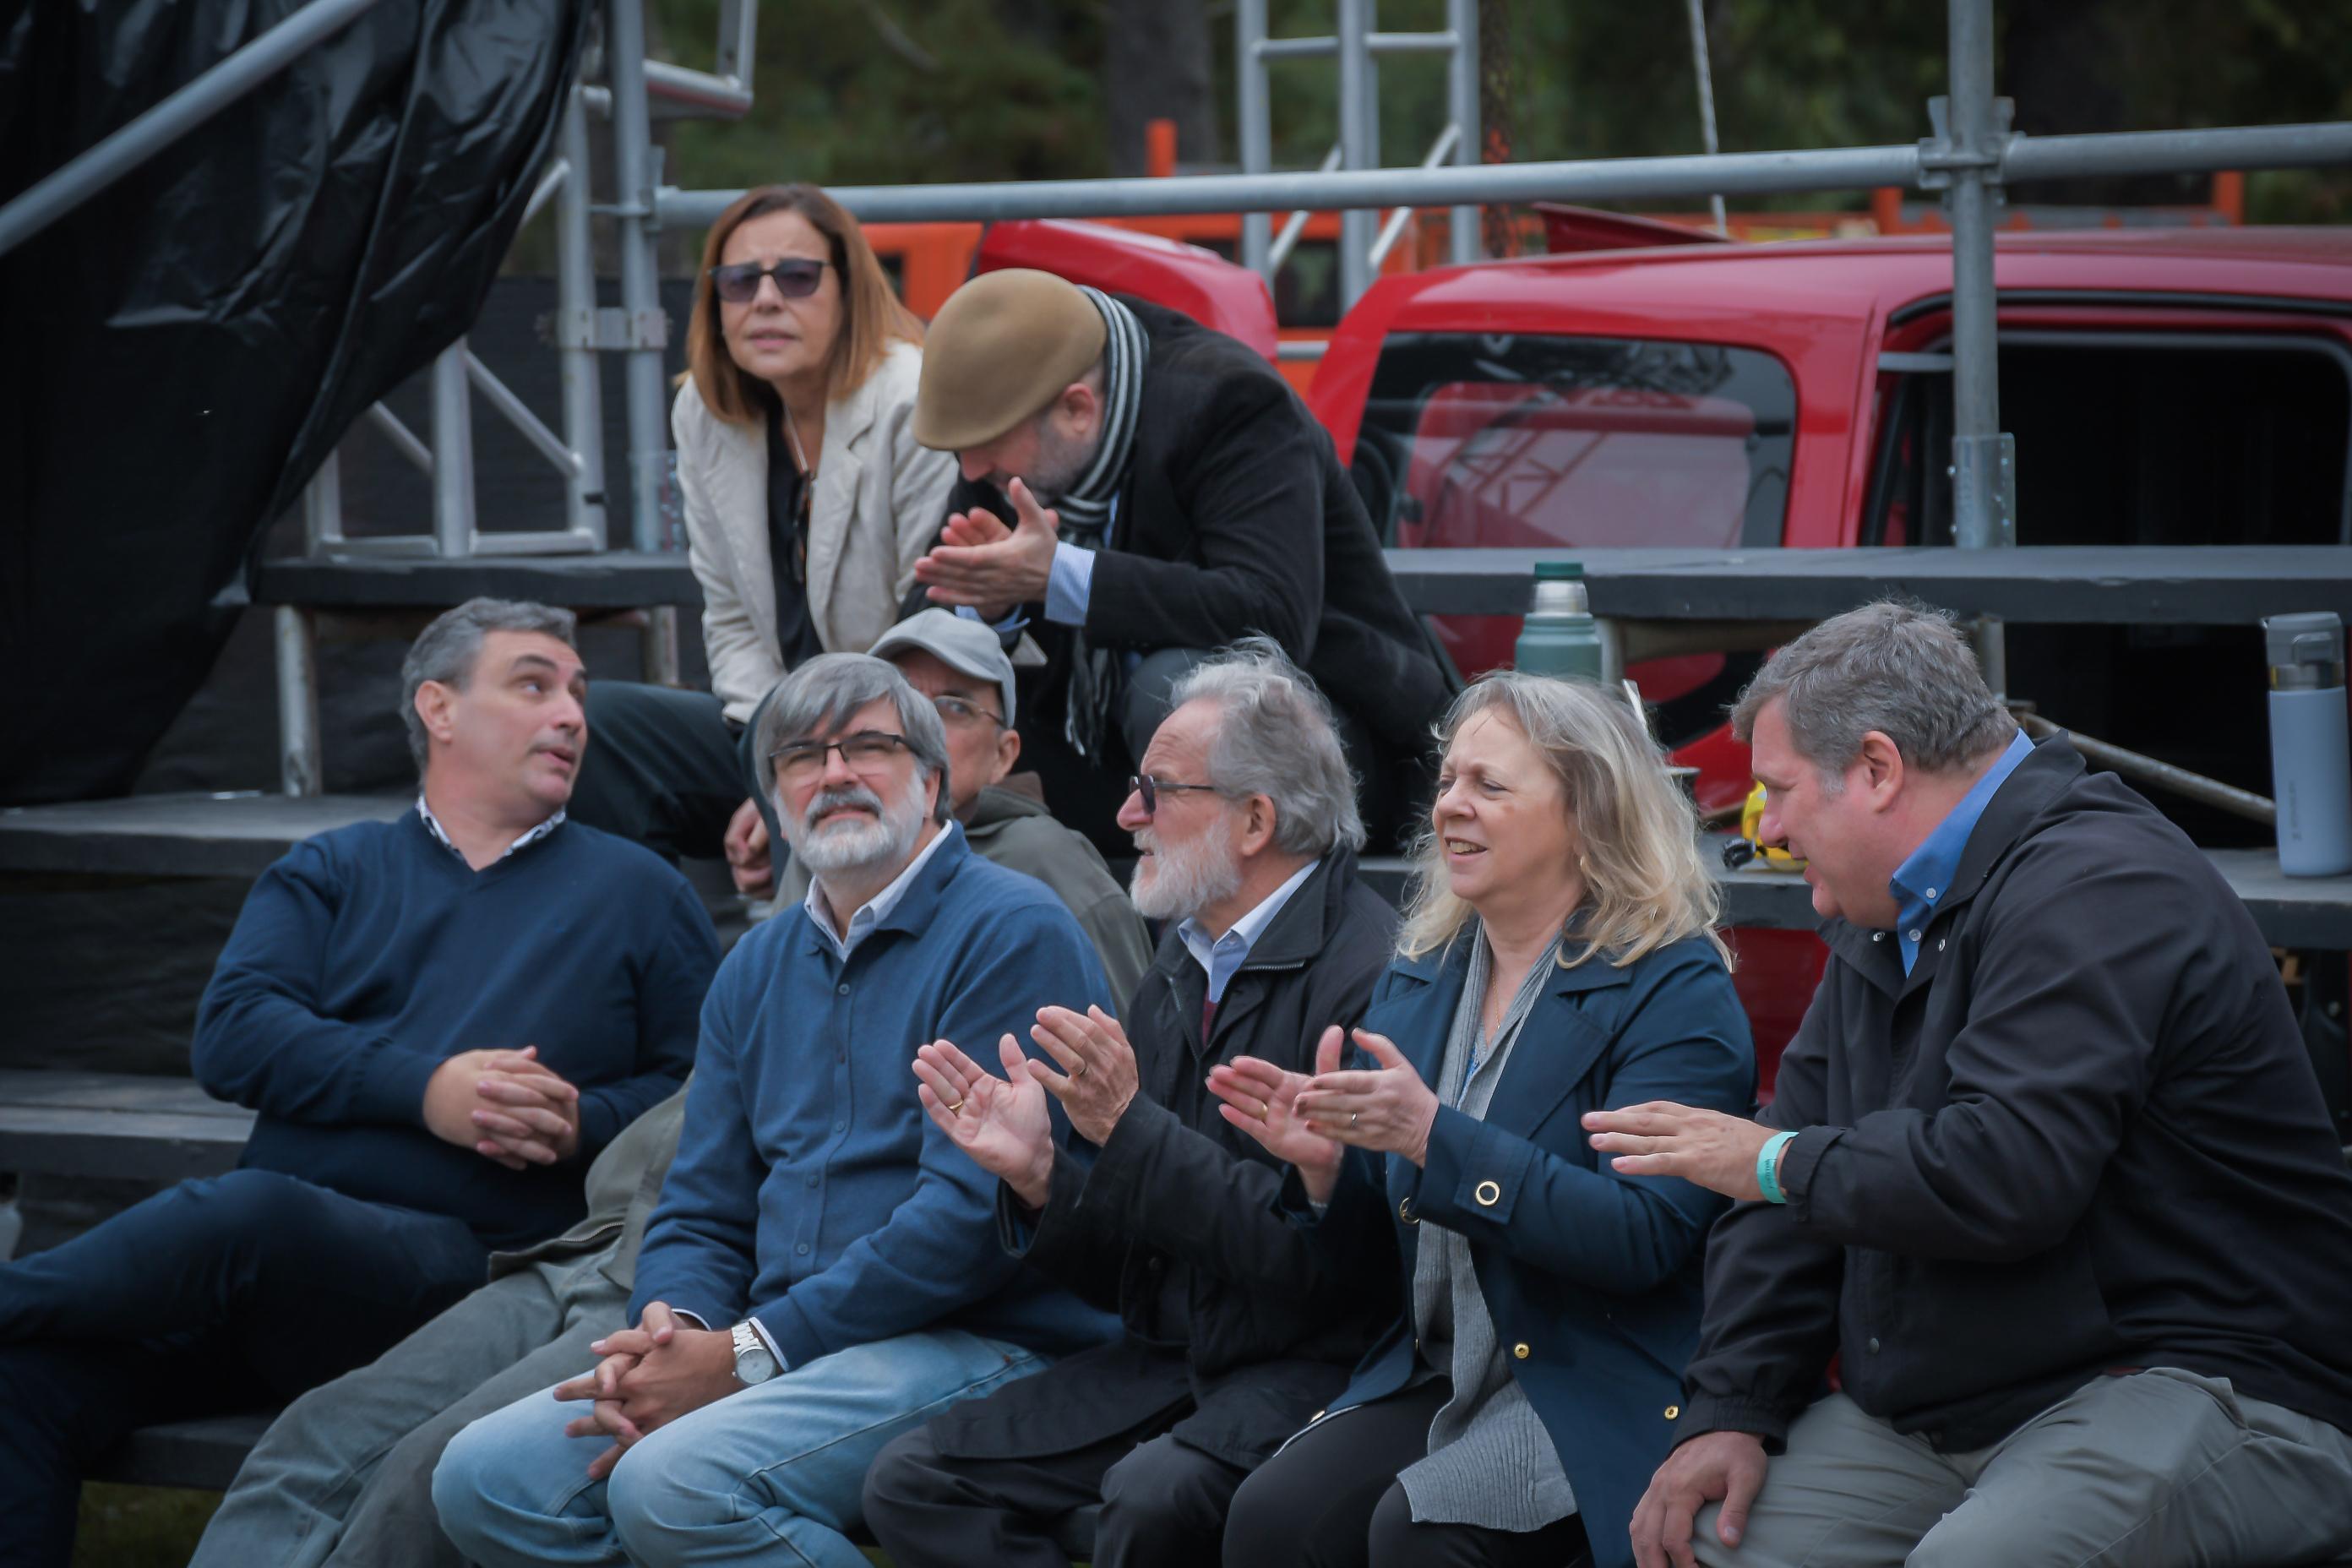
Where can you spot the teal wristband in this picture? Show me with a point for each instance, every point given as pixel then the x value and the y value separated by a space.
pixel 1768 1167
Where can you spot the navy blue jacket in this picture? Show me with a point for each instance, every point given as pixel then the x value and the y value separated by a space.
pixel 810 1191
pixel 1591 1278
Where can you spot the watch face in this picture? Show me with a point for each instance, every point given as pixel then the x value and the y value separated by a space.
pixel 754 1363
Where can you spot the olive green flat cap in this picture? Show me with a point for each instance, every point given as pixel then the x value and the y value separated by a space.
pixel 1001 348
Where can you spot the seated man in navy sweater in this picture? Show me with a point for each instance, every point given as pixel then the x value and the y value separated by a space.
pixel 822 1272
pixel 439 1018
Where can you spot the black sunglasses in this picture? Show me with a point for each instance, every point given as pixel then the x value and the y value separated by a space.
pixel 1151 789
pixel 796 279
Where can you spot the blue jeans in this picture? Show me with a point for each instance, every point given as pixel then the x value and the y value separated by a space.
pixel 778 1465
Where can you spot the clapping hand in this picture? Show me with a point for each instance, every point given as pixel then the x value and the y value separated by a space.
pixel 1000 1122
pixel 1261 1098
pixel 1093 1051
pixel 981 563
pixel 1388 1110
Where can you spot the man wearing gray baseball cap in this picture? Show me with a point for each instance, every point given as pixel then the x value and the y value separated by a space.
pixel 962 667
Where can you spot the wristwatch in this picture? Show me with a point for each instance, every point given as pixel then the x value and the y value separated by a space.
pixel 754 1361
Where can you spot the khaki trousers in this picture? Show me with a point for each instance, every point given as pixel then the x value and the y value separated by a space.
pixel 2161 1468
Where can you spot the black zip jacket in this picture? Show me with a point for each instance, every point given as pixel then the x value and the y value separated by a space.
pixel 1175 1222
pixel 2082 1135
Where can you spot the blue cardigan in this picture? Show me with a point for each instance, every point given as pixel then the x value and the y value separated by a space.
pixel 1592 1278
pixel 810 1191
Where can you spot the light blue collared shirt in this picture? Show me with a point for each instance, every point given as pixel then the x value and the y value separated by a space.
pixel 1070 582
pixel 1926 876
pixel 875 908
pixel 1222 956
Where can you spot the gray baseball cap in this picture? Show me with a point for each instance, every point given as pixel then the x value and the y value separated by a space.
pixel 963 645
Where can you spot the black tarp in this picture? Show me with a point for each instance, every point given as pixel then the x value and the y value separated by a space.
pixel 178 356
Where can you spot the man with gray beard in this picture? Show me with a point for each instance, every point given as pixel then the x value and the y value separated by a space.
pixel 821 1272
pixel 1237 1329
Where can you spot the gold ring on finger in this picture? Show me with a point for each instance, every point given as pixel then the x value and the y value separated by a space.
pixel 1352 1117
pixel 956 1108
pixel 1079 1070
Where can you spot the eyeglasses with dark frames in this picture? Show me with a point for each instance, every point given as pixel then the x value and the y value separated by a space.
pixel 1151 789
pixel 796 276
pixel 868 751
pixel 964 710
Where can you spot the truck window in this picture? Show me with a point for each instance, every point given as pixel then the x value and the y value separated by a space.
pixel 2150 438
pixel 1527 441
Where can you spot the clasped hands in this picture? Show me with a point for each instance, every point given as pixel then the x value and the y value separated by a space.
pixel 504 1106
pixel 994 569
pixel 1310 1121
pixel 649 1376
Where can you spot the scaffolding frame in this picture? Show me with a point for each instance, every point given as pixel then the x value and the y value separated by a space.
pixel 1971 155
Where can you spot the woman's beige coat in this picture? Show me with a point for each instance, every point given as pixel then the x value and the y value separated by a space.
pixel 879 502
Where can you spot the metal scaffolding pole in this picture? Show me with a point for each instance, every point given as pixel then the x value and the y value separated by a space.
pixel 1257 128
pixel 159 127
pixel 1356 224
pixel 1581 179
pixel 638 226
pixel 1984 465
pixel 575 303
pixel 452 455
pixel 1462 225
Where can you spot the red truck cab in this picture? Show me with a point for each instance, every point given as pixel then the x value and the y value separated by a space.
pixel 2164 385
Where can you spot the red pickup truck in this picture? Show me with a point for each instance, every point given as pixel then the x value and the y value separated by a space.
pixel 2164 385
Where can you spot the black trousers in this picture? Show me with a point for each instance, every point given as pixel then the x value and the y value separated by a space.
pixel 235 1292
pixel 1162 1503
pixel 666 769
pixel 1331 1500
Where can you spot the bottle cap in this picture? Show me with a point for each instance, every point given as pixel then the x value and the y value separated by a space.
pixel 1559 571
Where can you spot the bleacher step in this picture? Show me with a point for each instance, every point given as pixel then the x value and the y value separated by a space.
pixel 230 835
pixel 115 1125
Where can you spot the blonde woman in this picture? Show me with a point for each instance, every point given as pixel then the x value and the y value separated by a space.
pixel 1558 957
pixel 807 503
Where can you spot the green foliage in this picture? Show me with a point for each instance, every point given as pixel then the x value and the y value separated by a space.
pixel 140 1527
pixel 920 90
pixel 887 92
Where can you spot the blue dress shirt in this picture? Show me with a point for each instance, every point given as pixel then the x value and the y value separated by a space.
pixel 1927 876
pixel 1223 955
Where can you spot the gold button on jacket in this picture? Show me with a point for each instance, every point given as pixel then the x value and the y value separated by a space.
pixel 1488 1195
pixel 1520 1350
pixel 1673 1412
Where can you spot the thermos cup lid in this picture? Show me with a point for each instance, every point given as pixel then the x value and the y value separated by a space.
pixel 2309 637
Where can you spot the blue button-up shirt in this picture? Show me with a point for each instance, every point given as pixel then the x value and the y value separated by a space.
pixel 1221 956
pixel 1921 882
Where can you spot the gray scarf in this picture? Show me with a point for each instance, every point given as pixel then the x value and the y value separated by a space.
pixel 1087 509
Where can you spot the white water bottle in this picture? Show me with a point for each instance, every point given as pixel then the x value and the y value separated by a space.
pixel 2311 753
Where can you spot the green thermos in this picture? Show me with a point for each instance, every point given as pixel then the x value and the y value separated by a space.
pixel 1558 636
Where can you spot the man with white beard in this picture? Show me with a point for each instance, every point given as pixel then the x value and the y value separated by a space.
pixel 1238 1329
pixel 821 1272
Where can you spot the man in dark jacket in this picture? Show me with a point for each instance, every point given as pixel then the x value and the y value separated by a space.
pixel 1143 489
pixel 2048 1169
pixel 1238 1331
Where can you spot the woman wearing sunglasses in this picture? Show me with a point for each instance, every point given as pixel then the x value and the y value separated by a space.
pixel 806 501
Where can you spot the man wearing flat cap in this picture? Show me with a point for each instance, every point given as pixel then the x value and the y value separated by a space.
pixel 1138 489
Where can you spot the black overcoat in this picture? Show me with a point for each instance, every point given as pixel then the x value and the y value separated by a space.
pixel 1275 1320
pixel 1237 517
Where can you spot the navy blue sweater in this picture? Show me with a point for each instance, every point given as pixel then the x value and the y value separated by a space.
pixel 810 1189
pixel 371 954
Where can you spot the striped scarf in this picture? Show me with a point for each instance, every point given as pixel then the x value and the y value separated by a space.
pixel 1087 509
